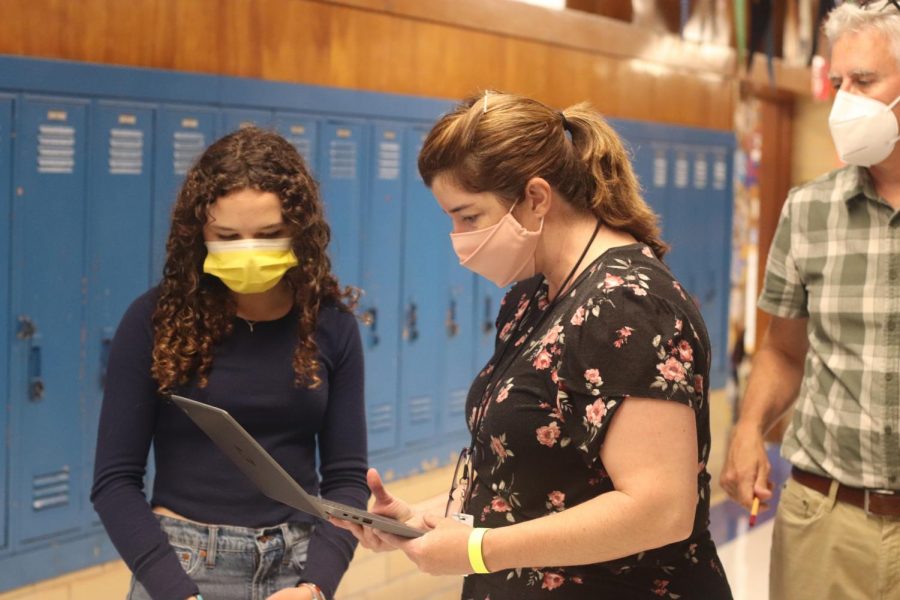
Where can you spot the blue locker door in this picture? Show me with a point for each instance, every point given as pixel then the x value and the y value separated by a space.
pixel 119 210
pixel 487 306
pixel 6 104
pixel 424 303
pixel 181 136
pixel 380 303
pixel 233 119
pixel 679 225
pixel 460 337
pixel 343 161
pixel 47 300
pixel 723 200
pixel 301 131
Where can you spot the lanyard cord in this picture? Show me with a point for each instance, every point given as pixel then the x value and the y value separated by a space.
pixel 489 387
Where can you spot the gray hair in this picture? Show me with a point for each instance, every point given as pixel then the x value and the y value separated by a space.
pixel 880 15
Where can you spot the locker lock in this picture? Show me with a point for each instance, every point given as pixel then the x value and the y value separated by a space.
pixel 370 320
pixel 26 328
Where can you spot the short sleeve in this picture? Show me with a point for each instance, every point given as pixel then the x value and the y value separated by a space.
pixel 628 343
pixel 784 294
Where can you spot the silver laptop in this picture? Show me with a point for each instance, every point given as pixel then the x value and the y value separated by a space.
pixel 270 477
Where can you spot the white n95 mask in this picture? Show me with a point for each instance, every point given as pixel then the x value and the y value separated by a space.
pixel 864 130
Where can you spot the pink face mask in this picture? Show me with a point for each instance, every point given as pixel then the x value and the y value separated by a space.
pixel 501 253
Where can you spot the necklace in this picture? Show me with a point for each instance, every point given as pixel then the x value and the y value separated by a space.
pixel 501 368
pixel 249 323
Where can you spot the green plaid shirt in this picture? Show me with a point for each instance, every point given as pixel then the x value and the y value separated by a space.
pixel 835 260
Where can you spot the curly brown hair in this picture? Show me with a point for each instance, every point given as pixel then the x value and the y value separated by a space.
pixel 195 310
pixel 496 142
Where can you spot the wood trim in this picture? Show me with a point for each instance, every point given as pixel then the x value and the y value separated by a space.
pixel 564 28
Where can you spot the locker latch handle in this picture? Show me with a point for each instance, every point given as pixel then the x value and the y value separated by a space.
pixel 28 331
pixel 487 326
pixel 27 328
pixel 411 329
pixel 370 320
pixel 450 322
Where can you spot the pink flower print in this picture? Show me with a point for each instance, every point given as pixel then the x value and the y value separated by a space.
pixel 552 335
pixel 638 290
pixel 504 333
pixel 698 384
pixel 624 334
pixel 678 287
pixel 671 370
pixel 548 434
pixel 612 281
pixel 578 317
pixel 593 376
pixel 552 581
pixel 575 579
pixel 678 324
pixel 557 499
pixel 498 504
pixel 543 302
pixel 497 447
pixel 554 376
pixel 660 587
pixel 542 360
pixel 685 352
pixel 520 341
pixel 504 393
pixel 646 251
pixel 595 412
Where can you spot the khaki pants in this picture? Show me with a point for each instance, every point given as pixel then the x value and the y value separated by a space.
pixel 828 550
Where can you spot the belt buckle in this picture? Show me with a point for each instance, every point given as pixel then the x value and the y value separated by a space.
pixel 866 494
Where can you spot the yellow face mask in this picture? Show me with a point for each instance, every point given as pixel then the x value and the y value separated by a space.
pixel 249 266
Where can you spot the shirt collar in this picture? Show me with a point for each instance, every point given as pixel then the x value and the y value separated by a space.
pixel 858 184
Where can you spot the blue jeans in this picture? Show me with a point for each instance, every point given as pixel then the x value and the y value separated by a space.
pixel 235 563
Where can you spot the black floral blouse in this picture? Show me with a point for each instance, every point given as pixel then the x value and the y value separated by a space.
pixel 555 382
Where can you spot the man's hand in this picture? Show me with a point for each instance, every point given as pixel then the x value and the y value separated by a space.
pixel 747 467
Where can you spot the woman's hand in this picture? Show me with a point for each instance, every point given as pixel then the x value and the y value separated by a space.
pixel 293 593
pixel 444 550
pixel 385 505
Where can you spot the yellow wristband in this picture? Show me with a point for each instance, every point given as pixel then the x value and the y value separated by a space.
pixel 476 558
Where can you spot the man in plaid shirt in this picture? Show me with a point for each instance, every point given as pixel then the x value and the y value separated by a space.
pixel 832 287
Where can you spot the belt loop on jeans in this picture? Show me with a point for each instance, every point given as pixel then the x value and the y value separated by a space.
pixel 831 499
pixel 211 543
pixel 288 541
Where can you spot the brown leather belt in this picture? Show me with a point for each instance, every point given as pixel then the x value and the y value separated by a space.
pixel 882 503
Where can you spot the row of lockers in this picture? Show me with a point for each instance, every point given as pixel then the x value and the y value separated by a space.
pixel 90 161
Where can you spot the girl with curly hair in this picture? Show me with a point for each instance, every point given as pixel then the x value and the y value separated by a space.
pixel 248 317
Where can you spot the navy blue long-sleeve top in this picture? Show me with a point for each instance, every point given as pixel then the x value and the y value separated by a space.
pixel 252 377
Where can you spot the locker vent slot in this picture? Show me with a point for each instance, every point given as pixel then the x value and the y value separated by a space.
pixel 381 418
pixel 56 149
pixel 186 145
pixel 457 404
pixel 126 151
pixel 303 146
pixel 701 172
pixel 388 160
pixel 342 156
pixel 50 490
pixel 720 171
pixel 420 410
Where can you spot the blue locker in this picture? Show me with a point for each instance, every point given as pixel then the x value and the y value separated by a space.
pixel 679 222
pixel 232 119
pixel 381 273
pixel 301 131
pixel 181 135
pixel 47 304
pixel 119 211
pixel 487 306
pixel 460 338
pixel 343 161
pixel 722 198
pixel 6 113
pixel 424 303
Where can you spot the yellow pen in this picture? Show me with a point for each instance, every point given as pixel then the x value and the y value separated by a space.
pixel 753 511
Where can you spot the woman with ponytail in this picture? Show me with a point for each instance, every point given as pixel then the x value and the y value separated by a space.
pixel 249 318
pixel 586 472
